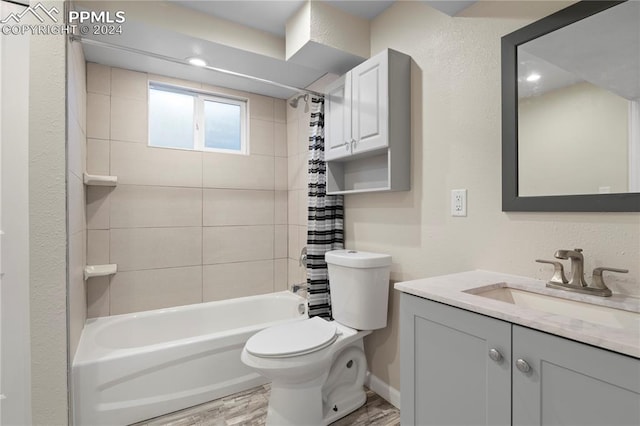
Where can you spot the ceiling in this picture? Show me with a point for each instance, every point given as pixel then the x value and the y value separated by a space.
pixel 270 16
pixel 603 49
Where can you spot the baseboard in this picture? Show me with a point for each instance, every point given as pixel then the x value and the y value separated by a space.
pixel 384 390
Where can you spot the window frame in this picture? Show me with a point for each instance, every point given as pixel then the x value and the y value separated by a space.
pixel 199 99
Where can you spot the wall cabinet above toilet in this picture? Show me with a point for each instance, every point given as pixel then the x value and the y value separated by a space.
pixel 368 126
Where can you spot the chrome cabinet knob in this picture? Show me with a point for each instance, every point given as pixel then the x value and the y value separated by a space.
pixel 495 355
pixel 523 365
pixel 347 145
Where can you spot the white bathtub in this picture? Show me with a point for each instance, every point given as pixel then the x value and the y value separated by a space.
pixel 134 367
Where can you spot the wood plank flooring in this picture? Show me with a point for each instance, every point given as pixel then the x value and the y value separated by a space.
pixel 249 408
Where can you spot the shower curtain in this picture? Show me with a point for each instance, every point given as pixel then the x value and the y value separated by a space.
pixel 325 218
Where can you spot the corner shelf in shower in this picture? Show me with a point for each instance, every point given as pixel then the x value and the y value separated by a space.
pixel 100 180
pixel 91 271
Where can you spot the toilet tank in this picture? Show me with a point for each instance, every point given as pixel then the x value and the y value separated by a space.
pixel 359 283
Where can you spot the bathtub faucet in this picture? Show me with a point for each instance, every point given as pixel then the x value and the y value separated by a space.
pixel 295 288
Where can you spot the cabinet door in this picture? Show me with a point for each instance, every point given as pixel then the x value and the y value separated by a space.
pixel 572 383
pixel 337 120
pixel 370 104
pixel 447 376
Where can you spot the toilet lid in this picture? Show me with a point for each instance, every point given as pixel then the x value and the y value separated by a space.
pixel 293 338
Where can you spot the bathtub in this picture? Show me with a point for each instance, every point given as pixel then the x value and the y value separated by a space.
pixel 137 366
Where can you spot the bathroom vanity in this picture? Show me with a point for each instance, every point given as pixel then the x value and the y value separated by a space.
pixel 483 348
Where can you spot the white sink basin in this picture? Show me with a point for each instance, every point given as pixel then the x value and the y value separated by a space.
pixel 596 314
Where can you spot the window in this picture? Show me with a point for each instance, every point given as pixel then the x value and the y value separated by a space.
pixel 183 119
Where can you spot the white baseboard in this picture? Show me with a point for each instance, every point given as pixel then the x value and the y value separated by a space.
pixel 384 390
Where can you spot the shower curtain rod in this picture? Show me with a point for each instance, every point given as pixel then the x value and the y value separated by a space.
pixel 91 42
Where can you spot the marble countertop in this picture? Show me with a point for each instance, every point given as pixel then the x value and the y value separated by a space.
pixel 457 290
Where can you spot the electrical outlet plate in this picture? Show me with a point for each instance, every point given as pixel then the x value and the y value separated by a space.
pixel 458 202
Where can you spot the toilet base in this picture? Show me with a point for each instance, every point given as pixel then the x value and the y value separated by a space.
pixel 324 399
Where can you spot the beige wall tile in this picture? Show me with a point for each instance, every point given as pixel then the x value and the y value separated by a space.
pixel 159 288
pixel 280 110
pixel 128 84
pixel 280 139
pixel 98 78
pixel 261 107
pixel 77 292
pixel 224 244
pixel 280 275
pixel 77 147
pixel 293 242
pixel 302 239
pixel 134 206
pixel 262 134
pixel 281 172
pixel 98 207
pixel 129 120
pixel 150 248
pixel 98 297
pixel 280 214
pixel 303 161
pixel 238 171
pixel 97 247
pixel 137 164
pixel 217 90
pixel 280 241
pixel 293 207
pixel 303 131
pixel 98 156
pixel 292 138
pixel 303 207
pixel 75 204
pixel 295 273
pixel 230 280
pixel 237 207
pixel 98 116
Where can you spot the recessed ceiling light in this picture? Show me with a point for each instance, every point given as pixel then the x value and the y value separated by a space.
pixel 533 77
pixel 198 62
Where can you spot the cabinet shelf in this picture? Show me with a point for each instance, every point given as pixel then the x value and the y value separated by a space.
pixel 368 127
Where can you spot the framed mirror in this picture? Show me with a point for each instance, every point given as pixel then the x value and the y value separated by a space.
pixel 571 111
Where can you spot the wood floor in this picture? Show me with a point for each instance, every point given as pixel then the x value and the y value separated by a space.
pixel 249 408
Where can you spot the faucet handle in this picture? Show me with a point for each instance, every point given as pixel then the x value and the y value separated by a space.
pixel 598 279
pixel 558 271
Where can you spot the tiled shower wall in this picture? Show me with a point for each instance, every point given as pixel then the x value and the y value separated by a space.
pixel 182 226
pixel 298 150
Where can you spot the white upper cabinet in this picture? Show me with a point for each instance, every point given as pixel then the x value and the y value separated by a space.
pixel 368 126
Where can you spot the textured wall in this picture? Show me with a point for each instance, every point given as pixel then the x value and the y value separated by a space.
pixel 76 165
pixel 48 229
pixel 456 143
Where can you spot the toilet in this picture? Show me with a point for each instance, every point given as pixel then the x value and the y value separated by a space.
pixel 317 367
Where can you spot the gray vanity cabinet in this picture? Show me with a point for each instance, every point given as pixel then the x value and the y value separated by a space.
pixel 571 383
pixel 451 376
pixel 447 378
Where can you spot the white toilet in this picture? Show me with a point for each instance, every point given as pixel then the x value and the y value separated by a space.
pixel 317 368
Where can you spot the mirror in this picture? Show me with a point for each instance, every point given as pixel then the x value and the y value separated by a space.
pixel 571 110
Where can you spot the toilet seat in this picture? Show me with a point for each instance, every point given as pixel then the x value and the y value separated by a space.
pixel 293 339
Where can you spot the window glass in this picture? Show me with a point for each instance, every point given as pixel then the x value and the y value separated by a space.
pixel 222 126
pixel 171 116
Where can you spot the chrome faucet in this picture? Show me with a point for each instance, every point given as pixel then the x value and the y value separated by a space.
pixel 577 265
pixel 295 288
pixel 577 282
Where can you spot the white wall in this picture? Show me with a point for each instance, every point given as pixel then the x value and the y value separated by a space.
pixel 14 287
pixel 456 143
pixel 47 227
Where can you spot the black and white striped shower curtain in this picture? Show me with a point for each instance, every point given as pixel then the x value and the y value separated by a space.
pixel 324 221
